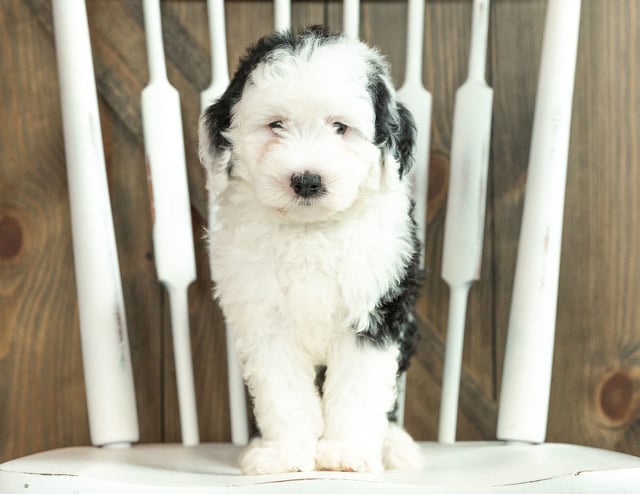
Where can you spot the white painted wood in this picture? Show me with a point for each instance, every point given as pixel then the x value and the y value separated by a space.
pixel 105 347
pixel 219 83
pixel 219 61
pixel 452 363
pixel 171 210
pixel 282 14
pixel 351 18
pixel 418 100
pixel 526 378
pixel 210 468
pixel 466 204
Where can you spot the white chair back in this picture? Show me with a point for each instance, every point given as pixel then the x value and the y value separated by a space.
pixel 514 465
pixel 530 342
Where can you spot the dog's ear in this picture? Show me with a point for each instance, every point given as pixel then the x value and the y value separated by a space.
pixel 215 149
pixel 395 127
pixel 405 139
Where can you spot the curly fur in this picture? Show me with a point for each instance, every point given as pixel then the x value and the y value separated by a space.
pixel 321 279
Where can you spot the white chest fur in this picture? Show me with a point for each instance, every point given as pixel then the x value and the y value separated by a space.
pixel 311 281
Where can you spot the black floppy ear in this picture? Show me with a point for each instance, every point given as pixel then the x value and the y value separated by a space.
pixel 405 139
pixel 395 127
pixel 215 149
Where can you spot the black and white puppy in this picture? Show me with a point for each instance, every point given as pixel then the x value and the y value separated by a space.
pixel 314 249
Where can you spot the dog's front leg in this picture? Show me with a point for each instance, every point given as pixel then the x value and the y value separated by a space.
pixel 359 391
pixel 286 405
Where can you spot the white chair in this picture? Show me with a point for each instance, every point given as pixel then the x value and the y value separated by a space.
pixel 520 463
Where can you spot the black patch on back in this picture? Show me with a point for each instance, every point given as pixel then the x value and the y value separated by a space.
pixel 393 319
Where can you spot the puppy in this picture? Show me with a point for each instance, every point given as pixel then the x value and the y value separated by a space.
pixel 314 249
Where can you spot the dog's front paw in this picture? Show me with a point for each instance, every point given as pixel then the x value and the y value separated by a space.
pixel 348 457
pixel 262 457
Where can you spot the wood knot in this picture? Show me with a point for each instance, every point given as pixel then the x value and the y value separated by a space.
pixel 10 237
pixel 438 182
pixel 615 398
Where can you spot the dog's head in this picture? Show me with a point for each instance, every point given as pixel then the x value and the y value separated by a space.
pixel 310 121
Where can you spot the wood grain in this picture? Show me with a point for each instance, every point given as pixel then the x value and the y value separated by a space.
pixel 598 310
pixel 40 363
pixel 516 41
pixel 143 294
pixel 596 389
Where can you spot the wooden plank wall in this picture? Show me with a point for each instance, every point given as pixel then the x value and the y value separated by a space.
pixel 596 389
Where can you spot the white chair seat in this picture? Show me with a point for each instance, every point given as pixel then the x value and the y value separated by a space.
pixel 472 467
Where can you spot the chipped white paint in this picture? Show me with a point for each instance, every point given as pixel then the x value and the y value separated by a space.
pixel 526 379
pixel 466 201
pixel 172 235
pixel 463 468
pixel 105 348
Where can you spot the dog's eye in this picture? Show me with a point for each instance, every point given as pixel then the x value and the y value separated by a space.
pixel 277 125
pixel 340 128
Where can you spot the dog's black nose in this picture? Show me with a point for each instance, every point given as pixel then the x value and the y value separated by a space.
pixel 306 184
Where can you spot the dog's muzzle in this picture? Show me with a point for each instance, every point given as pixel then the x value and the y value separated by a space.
pixel 307 184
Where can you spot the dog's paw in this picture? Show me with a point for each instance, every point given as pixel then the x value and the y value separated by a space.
pixel 400 450
pixel 262 457
pixel 348 457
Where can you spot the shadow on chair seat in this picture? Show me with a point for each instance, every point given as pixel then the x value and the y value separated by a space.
pixel 474 467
